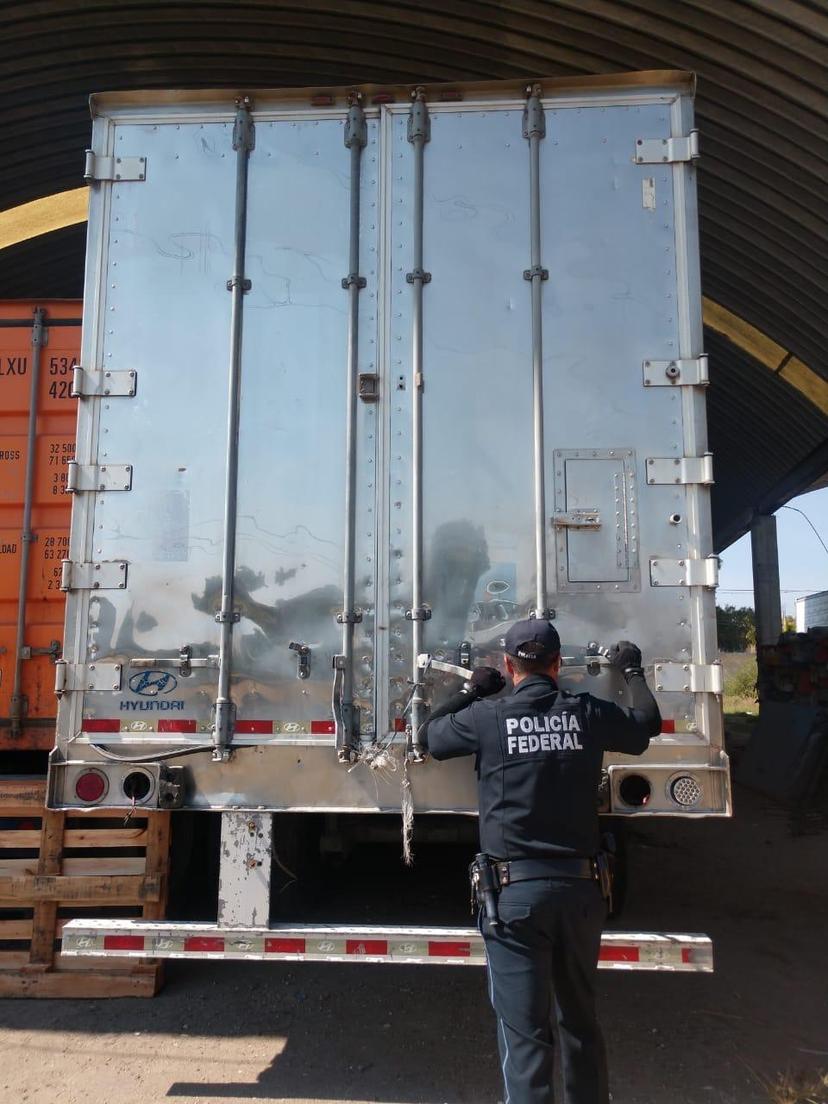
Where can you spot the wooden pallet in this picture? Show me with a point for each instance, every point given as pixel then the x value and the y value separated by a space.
pixel 55 866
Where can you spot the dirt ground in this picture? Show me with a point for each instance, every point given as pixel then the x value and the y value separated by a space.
pixel 240 1032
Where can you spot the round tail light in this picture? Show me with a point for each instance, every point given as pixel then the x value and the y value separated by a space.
pixel 685 791
pixel 90 786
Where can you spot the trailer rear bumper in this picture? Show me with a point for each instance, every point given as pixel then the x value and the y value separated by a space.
pixel 347 943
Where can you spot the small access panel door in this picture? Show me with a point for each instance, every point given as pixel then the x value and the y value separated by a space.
pixel 596 520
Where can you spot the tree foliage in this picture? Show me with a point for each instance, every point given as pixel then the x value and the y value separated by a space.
pixel 736 627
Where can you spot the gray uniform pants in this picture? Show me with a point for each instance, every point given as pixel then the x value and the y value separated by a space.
pixel 542 963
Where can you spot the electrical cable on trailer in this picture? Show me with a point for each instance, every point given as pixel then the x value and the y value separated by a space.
pixel 152 758
pixel 130 812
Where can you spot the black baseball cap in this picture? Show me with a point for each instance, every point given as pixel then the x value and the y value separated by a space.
pixel 532 639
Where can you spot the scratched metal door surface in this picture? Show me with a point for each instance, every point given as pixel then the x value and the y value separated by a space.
pixel 291 519
pixel 165 253
pixel 611 245
pixel 476 391
pixel 165 314
pixel 619 250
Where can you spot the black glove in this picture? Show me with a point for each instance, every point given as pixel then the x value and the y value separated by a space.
pixel 485 681
pixel 626 658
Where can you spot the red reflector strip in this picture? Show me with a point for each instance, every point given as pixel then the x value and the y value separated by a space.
pixel 440 948
pixel 177 726
pixel 366 946
pixel 123 943
pixel 383 97
pixel 322 100
pixel 619 954
pixel 284 946
pixel 203 943
pixel 668 726
pixel 450 96
pixel 322 728
pixel 101 724
pixel 264 728
pixel 399 724
pixel 687 955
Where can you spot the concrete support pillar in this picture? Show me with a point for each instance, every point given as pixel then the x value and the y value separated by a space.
pixel 766 595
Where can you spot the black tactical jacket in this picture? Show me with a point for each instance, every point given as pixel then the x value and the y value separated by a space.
pixel 538 755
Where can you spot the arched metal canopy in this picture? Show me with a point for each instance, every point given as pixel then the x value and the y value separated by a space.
pixel 761 108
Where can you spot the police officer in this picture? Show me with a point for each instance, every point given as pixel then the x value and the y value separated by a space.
pixel 538 755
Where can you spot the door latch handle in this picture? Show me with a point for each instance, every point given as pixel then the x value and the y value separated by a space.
pixel 303 654
pixel 587 518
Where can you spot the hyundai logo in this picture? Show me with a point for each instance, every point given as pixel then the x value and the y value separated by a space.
pixel 149 684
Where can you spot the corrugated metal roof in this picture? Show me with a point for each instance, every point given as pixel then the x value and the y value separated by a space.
pixel 761 109
pixel 760 428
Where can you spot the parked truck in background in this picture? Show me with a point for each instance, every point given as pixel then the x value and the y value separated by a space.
pixel 368 374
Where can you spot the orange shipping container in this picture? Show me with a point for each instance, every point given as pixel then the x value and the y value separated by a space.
pixel 27 719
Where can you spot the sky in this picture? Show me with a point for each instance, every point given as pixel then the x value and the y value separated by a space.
pixel 803 562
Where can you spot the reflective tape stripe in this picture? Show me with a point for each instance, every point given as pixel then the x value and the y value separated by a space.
pixel 614 953
pixel 680 725
pixel 344 943
pixel 242 728
pixel 366 946
pixel 322 728
pixel 177 726
pixel 203 943
pixel 284 946
pixel 123 943
pixel 449 949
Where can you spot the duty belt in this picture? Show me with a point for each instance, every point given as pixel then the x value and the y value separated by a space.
pixel 488 877
pixel 526 870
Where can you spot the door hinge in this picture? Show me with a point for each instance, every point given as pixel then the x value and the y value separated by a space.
pixel 98 169
pixel 651 151
pixel 693 678
pixel 682 372
pixel 104 575
pixel 98 477
pixel 71 677
pixel 90 383
pixel 577 519
pixel 687 572
pixel 683 469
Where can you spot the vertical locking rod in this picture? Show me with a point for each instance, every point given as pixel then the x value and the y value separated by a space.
pixel 16 709
pixel 244 139
pixel 534 129
pixel 419 132
pixel 347 733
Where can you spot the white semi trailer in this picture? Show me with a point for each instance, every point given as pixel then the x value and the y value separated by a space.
pixel 368 374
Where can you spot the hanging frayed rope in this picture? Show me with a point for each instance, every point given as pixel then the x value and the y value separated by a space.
pixel 407 811
pixel 383 763
pixel 379 758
